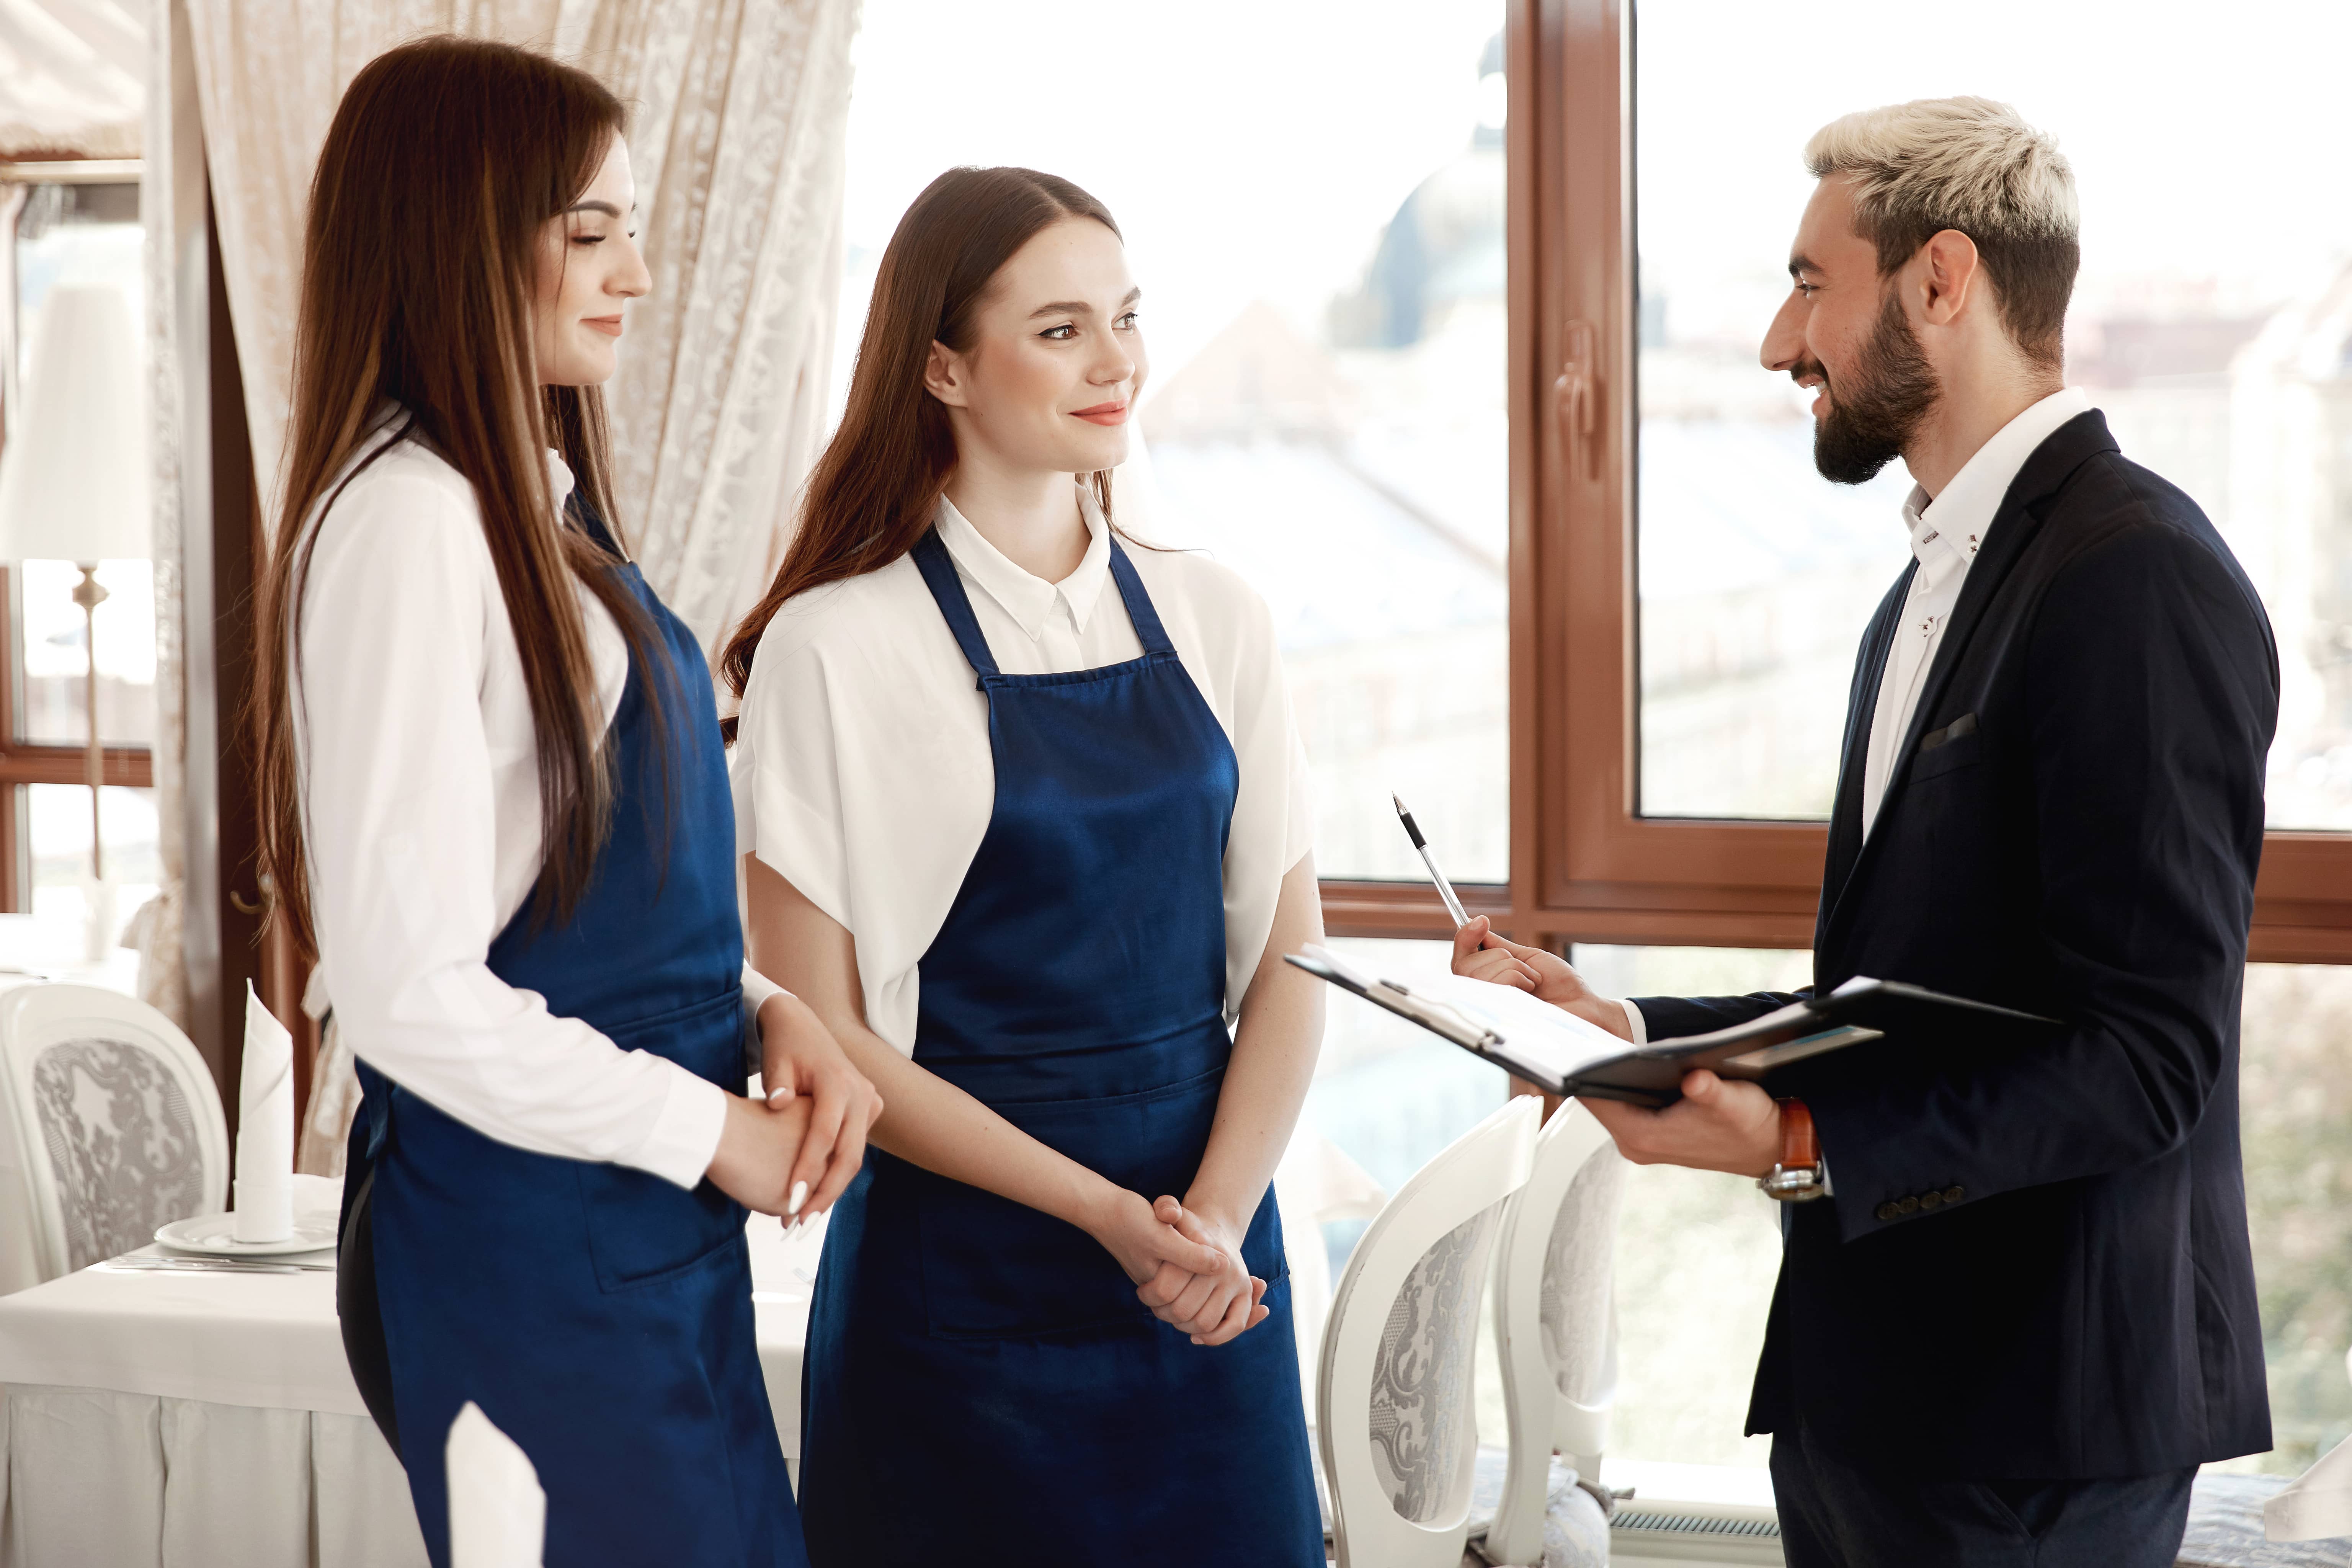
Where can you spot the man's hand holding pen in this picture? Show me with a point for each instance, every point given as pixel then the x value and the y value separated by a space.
pixel 1479 954
pixel 1720 1124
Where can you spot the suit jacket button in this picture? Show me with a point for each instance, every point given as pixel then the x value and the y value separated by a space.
pixel 1888 1211
pixel 1953 1195
pixel 1909 1206
pixel 1929 1200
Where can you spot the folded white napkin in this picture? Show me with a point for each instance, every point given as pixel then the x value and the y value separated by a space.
pixel 498 1514
pixel 2318 1506
pixel 265 1129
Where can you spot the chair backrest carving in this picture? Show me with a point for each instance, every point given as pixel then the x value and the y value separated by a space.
pixel 122 1140
pixel 1395 1391
pixel 110 1123
pixel 1556 1322
pixel 1421 1383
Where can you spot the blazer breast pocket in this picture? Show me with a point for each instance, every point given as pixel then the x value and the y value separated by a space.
pixel 1958 744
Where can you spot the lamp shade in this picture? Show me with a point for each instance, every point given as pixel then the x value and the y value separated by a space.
pixel 73 473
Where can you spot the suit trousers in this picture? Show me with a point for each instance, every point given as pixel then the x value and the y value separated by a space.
pixel 1835 1514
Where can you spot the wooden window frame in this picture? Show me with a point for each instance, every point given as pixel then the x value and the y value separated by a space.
pixel 1585 865
pixel 22 763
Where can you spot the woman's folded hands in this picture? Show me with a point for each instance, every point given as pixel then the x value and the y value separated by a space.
pixel 1187 1266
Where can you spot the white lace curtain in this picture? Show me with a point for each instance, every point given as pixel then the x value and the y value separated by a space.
pixel 740 109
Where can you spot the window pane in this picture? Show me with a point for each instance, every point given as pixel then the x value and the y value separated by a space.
pixel 2297 1118
pixel 76 234
pixel 63 892
pixel 80 233
pixel 1326 405
pixel 1697 1252
pixel 2207 323
pixel 51 655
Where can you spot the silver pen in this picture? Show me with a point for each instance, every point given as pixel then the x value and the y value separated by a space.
pixel 1444 887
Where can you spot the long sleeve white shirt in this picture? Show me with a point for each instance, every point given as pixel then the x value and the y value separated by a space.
pixel 420 791
pixel 862 771
pixel 1946 530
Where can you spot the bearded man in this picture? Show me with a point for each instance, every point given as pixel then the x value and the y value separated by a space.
pixel 2024 1312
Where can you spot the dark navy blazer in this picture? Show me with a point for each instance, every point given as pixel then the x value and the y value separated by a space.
pixel 2035 1262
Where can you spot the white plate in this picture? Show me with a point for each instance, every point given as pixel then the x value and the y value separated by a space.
pixel 215 1235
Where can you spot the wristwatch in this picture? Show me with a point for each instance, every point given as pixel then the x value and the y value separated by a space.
pixel 1800 1177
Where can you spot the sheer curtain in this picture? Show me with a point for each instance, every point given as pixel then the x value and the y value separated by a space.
pixel 739 109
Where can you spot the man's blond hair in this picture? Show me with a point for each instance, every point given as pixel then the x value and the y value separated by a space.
pixel 1974 166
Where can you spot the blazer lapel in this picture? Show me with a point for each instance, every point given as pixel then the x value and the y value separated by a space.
pixel 2013 527
pixel 1845 816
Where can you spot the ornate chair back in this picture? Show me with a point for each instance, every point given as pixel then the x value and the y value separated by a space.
pixel 1394 1396
pixel 116 1124
pixel 1556 1322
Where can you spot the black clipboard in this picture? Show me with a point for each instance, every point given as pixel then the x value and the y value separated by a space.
pixel 1537 1042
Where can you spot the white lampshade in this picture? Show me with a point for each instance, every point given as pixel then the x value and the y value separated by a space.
pixel 73 473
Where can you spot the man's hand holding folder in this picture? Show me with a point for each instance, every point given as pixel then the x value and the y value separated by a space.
pixel 1718 1124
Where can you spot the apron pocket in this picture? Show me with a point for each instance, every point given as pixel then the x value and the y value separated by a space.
pixel 642 1228
pixel 993 1268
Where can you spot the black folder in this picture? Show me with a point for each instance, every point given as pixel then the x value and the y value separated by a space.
pixel 1563 1054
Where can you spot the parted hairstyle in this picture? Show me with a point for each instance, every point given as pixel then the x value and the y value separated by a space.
pixel 875 489
pixel 445 160
pixel 1974 166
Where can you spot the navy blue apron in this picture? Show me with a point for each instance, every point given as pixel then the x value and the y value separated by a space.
pixel 982 1381
pixel 599 1315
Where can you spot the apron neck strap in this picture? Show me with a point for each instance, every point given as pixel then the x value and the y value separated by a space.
pixel 1148 629
pixel 939 572
pixel 931 559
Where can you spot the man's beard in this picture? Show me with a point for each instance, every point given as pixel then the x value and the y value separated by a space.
pixel 1874 414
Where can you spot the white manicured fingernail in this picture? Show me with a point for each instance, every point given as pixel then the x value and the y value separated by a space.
pixel 800 1195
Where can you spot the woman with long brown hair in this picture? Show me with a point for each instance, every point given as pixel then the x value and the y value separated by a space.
pixel 1026 821
pixel 494 803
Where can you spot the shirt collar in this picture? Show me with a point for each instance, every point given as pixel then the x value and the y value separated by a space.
pixel 1028 599
pixel 1956 521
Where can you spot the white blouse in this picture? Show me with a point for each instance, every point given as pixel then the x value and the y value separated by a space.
pixel 862 771
pixel 420 790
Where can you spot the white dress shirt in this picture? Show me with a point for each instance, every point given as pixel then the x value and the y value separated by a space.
pixel 862 771
pixel 420 790
pixel 1946 531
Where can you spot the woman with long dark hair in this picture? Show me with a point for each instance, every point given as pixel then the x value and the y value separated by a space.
pixel 1026 822
pixel 495 804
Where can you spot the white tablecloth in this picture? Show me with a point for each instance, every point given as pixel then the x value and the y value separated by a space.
pixel 189 1420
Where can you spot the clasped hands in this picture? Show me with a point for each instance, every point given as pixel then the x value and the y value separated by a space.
pixel 1186 1264
pixel 1718 1124
pixel 792 1154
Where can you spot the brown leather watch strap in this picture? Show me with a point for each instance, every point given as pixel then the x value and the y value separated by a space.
pixel 1798 1177
pixel 1799 1145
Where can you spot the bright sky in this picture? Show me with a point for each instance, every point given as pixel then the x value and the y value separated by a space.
pixel 2206 142
pixel 1248 148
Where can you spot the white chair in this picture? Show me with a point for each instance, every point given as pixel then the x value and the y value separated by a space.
pixel 1396 1426
pixel 1556 1324
pixel 1317 1184
pixel 115 1122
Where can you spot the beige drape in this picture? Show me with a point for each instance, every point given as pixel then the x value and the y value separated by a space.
pixel 740 111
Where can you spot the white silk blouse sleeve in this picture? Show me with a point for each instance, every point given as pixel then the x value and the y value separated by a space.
pixel 404 747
